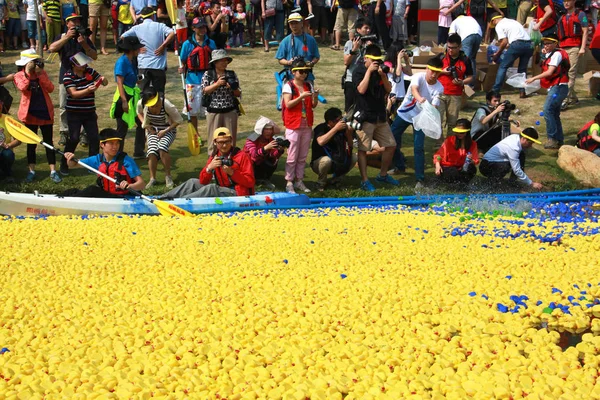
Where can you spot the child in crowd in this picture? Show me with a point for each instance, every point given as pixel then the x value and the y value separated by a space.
pixel 399 27
pixel 13 23
pixel 227 17
pixel 181 27
pixel 32 33
pixel 239 25
pixel 124 16
pixel 68 7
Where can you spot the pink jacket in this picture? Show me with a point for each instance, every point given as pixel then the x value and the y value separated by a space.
pixel 22 83
pixel 257 153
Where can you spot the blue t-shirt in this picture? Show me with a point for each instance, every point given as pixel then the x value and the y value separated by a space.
pixel 298 46
pixel 124 68
pixel 128 163
pixel 194 78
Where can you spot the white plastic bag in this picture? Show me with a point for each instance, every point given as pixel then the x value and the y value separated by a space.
pixel 518 81
pixel 428 120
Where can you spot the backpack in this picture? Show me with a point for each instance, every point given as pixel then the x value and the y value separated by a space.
pixel 458 11
pixel 559 8
pixel 477 8
pixel 199 58
pixel 585 141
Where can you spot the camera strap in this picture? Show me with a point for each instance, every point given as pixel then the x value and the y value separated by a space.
pixel 304 48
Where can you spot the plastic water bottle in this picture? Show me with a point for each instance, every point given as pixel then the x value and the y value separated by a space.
pixel 468 162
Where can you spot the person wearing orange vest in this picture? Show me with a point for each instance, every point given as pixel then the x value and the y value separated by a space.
pixel 572 36
pixel 588 137
pixel 554 78
pixel 545 17
pixel 112 162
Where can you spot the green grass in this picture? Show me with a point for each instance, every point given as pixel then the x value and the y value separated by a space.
pixel 255 69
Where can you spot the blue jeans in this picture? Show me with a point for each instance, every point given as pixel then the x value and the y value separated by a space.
pixel 398 128
pixel 556 95
pixel 518 49
pixel 7 159
pixel 276 20
pixel 471 46
pixel 597 152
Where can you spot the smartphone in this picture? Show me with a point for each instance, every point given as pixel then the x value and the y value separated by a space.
pixel 98 83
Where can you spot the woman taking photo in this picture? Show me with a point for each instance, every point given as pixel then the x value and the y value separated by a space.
pixel 220 92
pixel 455 161
pixel 127 94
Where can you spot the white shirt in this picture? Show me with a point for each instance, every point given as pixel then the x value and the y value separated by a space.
pixel 512 30
pixel 555 62
pixel 30 10
pixel 465 26
pixel 397 87
pixel 509 149
pixel 181 20
pixel 287 88
pixel 408 109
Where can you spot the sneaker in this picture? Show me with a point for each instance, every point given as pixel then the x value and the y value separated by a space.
pixel 30 176
pixel 63 139
pixel 367 186
pixel 168 182
pixel 289 188
pixel 266 184
pixel 83 140
pixel 564 105
pixel 387 179
pixel 309 16
pixel 25 45
pixel 551 144
pixel 297 10
pixel 302 187
pixel 64 169
pixel 55 177
pixel 321 186
pixel 176 53
pixel 150 183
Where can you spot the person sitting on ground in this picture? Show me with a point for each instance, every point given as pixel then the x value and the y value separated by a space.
pixel 455 161
pixel 160 119
pixel 332 148
pixel 588 137
pixel 487 118
pixel 264 151
pixel 228 165
pixel 112 162
pixel 509 155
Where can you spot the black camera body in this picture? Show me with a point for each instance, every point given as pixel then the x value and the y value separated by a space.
pixel 225 161
pixel 39 63
pixel 355 120
pixel 82 31
pixel 409 53
pixel 282 142
pixel 368 38
pixel 453 72
pixel 508 108
pixel 232 80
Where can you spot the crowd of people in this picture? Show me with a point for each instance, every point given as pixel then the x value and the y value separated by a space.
pixel 382 95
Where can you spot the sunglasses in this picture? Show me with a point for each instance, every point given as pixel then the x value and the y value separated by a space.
pixel 222 142
pixel 302 71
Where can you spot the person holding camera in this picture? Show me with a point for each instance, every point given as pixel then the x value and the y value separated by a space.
pixel 298 45
pixel 332 148
pixel 75 40
pixel 471 36
pixel 555 78
pixel 35 109
pixel 457 72
pixel 491 120
pixel 396 54
pixel 160 119
pixel 509 156
pixel 152 58
pixel 230 167
pixel 354 51
pixel 265 150
pixel 221 92
pixel 299 99
pixel 456 160
pixel 370 115
pixel 424 86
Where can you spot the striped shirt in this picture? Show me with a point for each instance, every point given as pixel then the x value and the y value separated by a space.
pixel 71 80
pixel 52 8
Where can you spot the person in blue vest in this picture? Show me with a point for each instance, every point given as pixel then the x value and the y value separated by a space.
pixel 112 162
pixel 195 60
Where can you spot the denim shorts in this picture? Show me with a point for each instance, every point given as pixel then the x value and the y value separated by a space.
pixel 31 29
pixel 13 27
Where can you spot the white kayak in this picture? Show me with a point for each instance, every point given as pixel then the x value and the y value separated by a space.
pixel 23 204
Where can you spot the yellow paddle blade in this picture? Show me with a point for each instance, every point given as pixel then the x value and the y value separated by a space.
pixel 194 141
pixel 20 131
pixel 171 210
pixel 172 11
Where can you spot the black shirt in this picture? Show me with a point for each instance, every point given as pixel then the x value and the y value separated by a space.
pixel 372 103
pixel 70 48
pixel 334 149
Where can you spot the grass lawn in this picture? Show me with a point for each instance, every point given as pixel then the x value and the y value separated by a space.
pixel 255 69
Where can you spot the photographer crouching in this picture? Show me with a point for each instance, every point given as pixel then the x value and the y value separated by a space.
pixel 332 148
pixel 354 52
pixel 265 150
pixel 492 123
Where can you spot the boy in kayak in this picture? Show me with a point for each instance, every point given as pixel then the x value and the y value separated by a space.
pixel 113 163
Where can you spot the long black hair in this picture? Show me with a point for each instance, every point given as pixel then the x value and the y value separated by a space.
pixel 392 52
pixel 464 123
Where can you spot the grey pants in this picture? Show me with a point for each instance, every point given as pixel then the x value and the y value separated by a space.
pixel 192 188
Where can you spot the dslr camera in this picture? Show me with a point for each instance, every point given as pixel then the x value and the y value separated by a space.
pixel 38 62
pixel 225 161
pixel 368 38
pixel 282 142
pixel 508 108
pixel 453 72
pixel 232 80
pixel 355 120
pixel 81 31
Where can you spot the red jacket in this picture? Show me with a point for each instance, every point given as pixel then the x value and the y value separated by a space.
pixel 450 88
pixel 450 157
pixel 242 179
pixel 257 153
pixel 22 83
pixel 552 19
pixel 560 74
pixel 292 117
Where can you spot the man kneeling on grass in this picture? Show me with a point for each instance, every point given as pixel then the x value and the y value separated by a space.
pixel 112 162
pixel 228 165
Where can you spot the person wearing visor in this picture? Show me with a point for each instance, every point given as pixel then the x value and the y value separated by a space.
pixel 424 86
pixel 298 45
pixel 112 162
pixel 509 156
pixel 299 100
pixel 152 59
pixel 456 160
pixel 67 45
pixel 230 167
pixel 81 83
pixel 160 119
pixel 36 110
pixel 555 78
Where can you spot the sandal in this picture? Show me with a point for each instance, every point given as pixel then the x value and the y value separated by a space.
pixel 335 47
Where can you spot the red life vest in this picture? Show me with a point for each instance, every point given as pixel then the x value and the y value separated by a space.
pixel 570 33
pixel 461 69
pixel 199 58
pixel 560 74
pixel 585 140
pixel 292 117
pixel 551 21
pixel 117 171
